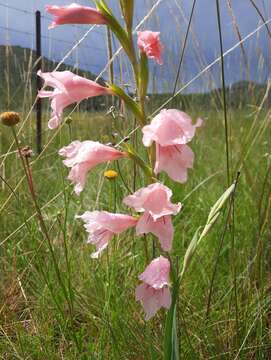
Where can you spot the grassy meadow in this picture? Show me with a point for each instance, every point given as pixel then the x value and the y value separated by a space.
pixel 87 309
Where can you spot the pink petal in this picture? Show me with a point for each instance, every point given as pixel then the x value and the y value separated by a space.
pixel 165 298
pixel 45 94
pixel 149 43
pixel 169 127
pixel 175 160
pixel 83 156
pixel 199 122
pixel 74 14
pixel 101 242
pixel 154 199
pixel 152 300
pixel 117 223
pixel 71 150
pixel 54 122
pixel 162 228
pixel 102 225
pixel 156 273
pixel 78 176
pixel 68 89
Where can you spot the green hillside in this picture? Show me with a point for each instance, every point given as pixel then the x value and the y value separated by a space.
pixel 18 86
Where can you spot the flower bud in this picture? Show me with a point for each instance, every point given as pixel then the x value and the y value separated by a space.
pixel 9 118
pixel 110 174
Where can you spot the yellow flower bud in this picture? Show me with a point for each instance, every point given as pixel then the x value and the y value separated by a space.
pixel 9 118
pixel 110 174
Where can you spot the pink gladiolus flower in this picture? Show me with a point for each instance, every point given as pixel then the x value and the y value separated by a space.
pixel 74 14
pixel 154 293
pixel 149 43
pixel 68 89
pixel 171 130
pixel 81 157
pixel 154 201
pixel 102 226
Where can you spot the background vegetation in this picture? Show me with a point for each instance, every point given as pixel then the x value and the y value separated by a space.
pixel 88 310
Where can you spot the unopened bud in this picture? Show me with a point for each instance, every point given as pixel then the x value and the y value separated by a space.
pixel 9 118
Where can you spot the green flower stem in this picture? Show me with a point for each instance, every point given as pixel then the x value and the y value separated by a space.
pixel 141 163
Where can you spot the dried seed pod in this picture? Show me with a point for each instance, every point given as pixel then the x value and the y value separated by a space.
pixel 9 118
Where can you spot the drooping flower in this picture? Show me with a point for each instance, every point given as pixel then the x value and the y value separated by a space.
pixel 154 201
pixel 171 130
pixel 149 43
pixel 102 226
pixel 154 293
pixel 81 157
pixel 74 14
pixel 69 88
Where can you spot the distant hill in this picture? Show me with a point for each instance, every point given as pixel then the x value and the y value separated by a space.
pixel 239 95
pixel 18 86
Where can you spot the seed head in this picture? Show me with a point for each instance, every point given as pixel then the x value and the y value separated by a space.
pixel 9 118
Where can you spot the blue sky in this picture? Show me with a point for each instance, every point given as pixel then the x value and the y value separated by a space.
pixel 170 18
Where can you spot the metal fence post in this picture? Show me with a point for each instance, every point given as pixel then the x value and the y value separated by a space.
pixel 38 84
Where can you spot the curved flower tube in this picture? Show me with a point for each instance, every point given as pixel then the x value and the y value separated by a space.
pixel 74 14
pixel 102 226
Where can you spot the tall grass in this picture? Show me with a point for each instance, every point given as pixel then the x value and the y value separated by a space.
pixel 87 310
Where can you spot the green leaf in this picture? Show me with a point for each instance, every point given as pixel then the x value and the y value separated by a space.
pixel 127 7
pixel 221 201
pixel 133 106
pixel 171 343
pixel 116 28
pixel 132 154
pixel 190 251
pixel 211 220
